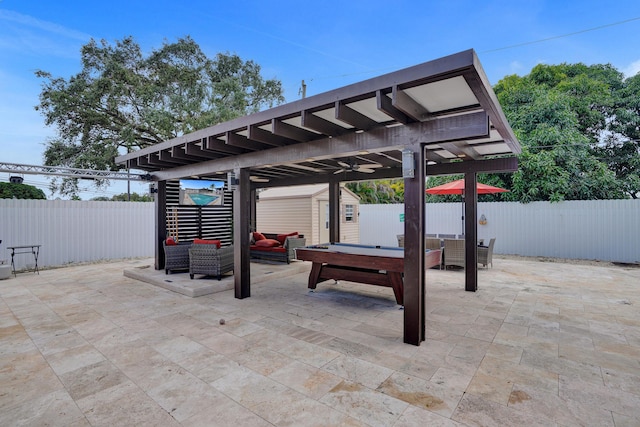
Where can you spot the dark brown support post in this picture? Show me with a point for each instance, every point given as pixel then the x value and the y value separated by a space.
pixel 241 219
pixel 160 222
pixel 334 211
pixel 470 232
pixel 414 234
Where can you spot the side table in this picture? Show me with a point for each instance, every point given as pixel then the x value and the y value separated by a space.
pixel 25 249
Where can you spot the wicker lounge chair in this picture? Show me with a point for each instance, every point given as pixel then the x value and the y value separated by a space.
pixel 430 242
pixel 485 254
pixel 453 252
pixel 176 257
pixel 209 260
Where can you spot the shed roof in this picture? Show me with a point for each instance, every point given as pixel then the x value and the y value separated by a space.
pixel 299 191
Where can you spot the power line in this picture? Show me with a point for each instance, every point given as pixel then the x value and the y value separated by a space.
pixel 563 35
pixel 600 27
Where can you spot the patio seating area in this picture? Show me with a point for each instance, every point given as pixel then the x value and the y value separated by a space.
pixel 539 343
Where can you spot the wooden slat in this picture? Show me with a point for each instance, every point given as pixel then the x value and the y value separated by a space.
pixel 406 104
pixel 354 118
pixel 385 105
pixel 261 135
pixel 311 121
pixel 286 130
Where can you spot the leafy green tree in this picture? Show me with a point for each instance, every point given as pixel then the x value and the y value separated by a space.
pixel 621 147
pixel 9 190
pixel 122 100
pixel 383 191
pixel 135 197
pixel 561 114
pixel 124 197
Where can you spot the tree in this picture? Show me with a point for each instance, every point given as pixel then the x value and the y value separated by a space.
pixel 122 100
pixel 562 114
pixel 378 192
pixel 124 197
pixel 9 190
pixel 620 149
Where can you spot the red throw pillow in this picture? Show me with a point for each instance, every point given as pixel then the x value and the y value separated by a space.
pixel 170 241
pixel 218 243
pixel 258 236
pixel 267 243
pixel 282 237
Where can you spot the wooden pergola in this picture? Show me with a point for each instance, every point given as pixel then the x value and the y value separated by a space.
pixel 440 117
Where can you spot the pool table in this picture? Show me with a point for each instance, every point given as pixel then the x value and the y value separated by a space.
pixel 374 265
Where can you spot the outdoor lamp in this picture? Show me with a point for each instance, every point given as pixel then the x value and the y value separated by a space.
pixel 408 164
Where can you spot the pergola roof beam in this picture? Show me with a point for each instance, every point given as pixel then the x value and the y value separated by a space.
pixel 257 134
pixel 196 150
pixel 385 104
pixel 295 133
pixel 241 141
pixel 311 121
pixel 354 118
pixel 403 102
pixel 214 144
pixel 473 125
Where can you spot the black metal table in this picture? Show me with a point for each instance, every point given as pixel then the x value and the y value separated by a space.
pixel 16 250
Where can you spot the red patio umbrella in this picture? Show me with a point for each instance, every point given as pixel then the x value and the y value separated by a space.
pixel 457 187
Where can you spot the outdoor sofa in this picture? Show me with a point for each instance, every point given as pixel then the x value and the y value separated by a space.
pixel 275 247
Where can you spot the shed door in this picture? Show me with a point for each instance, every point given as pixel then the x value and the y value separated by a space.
pixel 323 223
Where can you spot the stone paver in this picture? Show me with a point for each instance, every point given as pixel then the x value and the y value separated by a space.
pixel 540 343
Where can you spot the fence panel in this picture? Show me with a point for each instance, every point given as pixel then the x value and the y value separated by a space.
pixel 85 231
pixel 606 230
pixel 76 231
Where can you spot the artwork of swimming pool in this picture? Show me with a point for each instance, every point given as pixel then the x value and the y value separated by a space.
pixel 203 199
pixel 201 192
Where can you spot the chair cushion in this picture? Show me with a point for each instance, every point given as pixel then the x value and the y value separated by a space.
pixel 267 243
pixel 282 237
pixel 278 249
pixel 258 236
pixel 218 243
pixel 170 241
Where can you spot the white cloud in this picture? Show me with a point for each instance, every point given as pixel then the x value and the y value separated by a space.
pixel 632 69
pixel 515 67
pixel 26 20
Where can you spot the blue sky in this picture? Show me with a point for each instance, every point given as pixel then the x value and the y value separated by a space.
pixel 327 44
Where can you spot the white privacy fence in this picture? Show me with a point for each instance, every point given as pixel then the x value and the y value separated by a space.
pixel 83 231
pixel 606 230
pixel 76 231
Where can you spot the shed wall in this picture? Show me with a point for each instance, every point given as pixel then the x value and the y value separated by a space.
pixel 284 215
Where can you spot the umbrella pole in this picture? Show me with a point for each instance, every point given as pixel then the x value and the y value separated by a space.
pixel 462 214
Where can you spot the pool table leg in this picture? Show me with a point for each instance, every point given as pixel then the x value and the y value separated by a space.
pixel 314 275
pixel 398 286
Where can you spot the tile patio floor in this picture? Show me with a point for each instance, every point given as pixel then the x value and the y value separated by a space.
pixel 540 343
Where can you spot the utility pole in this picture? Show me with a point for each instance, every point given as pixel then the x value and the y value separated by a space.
pixel 303 90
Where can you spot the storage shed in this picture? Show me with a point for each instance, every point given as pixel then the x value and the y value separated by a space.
pixel 305 209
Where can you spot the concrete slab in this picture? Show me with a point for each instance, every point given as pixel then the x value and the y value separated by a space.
pixel 206 285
